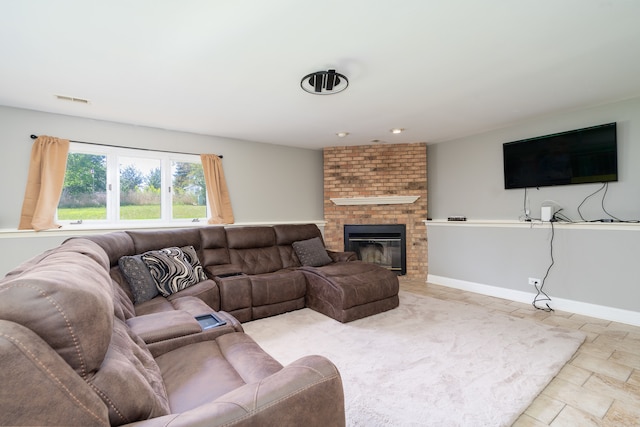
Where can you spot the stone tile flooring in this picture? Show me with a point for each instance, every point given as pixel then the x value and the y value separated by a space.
pixel 600 386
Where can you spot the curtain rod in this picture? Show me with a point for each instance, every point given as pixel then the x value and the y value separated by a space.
pixel 130 148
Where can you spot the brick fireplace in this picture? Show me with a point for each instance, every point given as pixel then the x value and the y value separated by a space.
pixel 378 184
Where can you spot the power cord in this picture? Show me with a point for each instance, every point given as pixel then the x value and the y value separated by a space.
pixel 586 198
pixel 541 296
pixel 560 217
pixel 605 187
pixel 525 209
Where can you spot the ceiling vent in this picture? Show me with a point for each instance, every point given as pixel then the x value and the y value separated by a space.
pixel 72 99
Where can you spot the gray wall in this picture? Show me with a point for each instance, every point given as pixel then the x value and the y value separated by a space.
pixel 466 175
pixel 267 183
pixel 596 265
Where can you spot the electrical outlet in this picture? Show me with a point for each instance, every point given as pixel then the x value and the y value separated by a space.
pixel 534 282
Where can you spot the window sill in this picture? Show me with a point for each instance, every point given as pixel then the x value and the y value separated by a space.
pixel 83 229
pixel 86 229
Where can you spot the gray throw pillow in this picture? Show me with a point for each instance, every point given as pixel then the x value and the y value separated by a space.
pixel 142 285
pixel 311 252
pixel 174 269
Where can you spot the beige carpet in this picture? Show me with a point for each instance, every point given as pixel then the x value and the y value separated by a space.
pixel 427 363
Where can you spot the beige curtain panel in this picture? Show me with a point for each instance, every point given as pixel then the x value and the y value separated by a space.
pixel 221 212
pixel 44 183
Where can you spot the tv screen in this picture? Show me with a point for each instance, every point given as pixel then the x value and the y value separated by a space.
pixel 573 157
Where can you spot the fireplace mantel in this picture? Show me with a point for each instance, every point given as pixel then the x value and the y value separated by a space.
pixel 375 200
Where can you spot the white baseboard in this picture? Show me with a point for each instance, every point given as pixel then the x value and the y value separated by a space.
pixel 584 308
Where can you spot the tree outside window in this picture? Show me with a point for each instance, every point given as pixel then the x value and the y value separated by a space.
pixel 137 199
pixel 189 190
pixel 84 194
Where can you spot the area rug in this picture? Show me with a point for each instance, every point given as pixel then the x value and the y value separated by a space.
pixel 427 363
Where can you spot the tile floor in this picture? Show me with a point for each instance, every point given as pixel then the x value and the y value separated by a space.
pixel 600 386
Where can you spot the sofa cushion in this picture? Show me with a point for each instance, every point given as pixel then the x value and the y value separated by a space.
pixel 194 305
pixel 66 297
pixel 206 291
pixel 276 287
pixel 250 237
pixel 39 388
pixel 214 246
pixel 116 244
pixel 151 240
pixel 350 284
pixel 257 261
pixel 123 293
pixel 174 269
pixel 253 249
pixel 311 252
pixel 155 305
pixel 232 360
pixel 142 285
pixel 235 294
pixel 286 234
pixel 129 380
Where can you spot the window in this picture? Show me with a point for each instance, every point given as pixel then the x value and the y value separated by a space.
pixel 140 188
pixel 84 194
pixel 189 190
pixel 110 184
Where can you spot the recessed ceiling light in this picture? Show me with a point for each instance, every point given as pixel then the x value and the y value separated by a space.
pixel 342 134
pixel 396 130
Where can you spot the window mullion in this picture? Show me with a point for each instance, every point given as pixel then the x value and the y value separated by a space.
pixel 167 191
pixel 113 188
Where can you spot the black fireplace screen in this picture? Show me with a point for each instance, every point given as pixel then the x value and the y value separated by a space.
pixel 382 244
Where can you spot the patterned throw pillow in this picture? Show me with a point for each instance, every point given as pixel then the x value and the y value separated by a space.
pixel 174 269
pixel 311 252
pixel 142 285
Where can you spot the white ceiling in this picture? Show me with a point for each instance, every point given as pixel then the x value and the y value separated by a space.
pixel 441 69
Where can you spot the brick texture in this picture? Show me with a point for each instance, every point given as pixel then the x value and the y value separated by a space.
pixel 378 170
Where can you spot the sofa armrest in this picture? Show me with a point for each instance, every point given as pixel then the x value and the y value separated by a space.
pixel 168 330
pixel 164 325
pixel 222 270
pixel 161 347
pixel 342 256
pixel 307 392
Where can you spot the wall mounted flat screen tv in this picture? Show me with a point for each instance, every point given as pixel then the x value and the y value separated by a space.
pixel 573 157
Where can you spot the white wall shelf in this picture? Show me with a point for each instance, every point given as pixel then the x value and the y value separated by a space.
pixel 374 200
pixel 609 226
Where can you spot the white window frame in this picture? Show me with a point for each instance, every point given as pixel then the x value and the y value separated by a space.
pixel 113 154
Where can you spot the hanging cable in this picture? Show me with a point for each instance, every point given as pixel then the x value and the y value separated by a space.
pixel 602 203
pixel 541 296
pixel 561 217
pixel 525 208
pixel 586 198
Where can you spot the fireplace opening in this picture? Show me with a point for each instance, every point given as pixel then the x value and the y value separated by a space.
pixel 382 244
